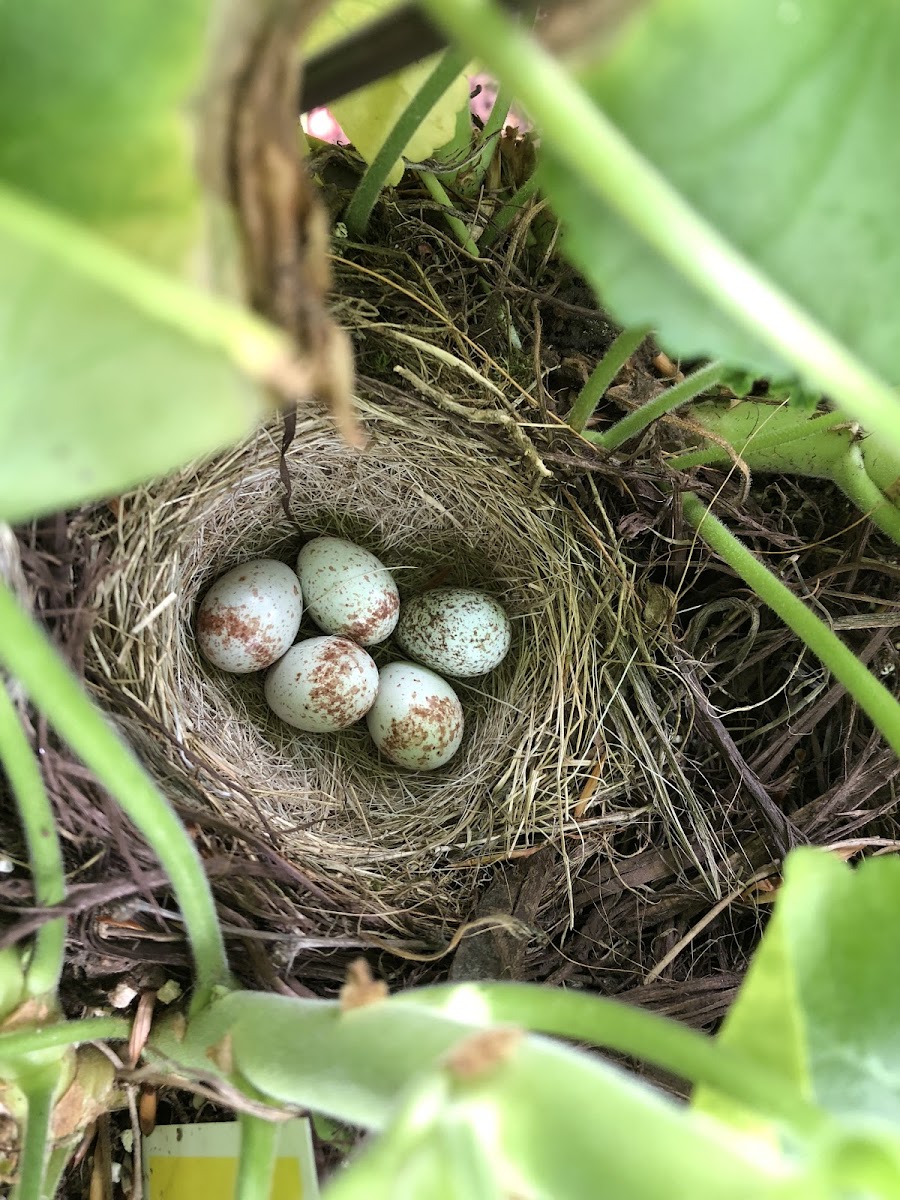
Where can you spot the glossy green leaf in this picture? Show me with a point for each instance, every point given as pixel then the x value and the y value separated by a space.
pixel 774 118
pixel 111 372
pixel 94 115
pixel 820 1002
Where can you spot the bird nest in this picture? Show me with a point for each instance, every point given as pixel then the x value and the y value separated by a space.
pixel 556 740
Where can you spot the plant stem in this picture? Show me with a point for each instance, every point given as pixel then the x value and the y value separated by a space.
pixel 487 139
pixel 256 1165
pixel 852 478
pixel 714 455
pixel 460 232
pixel 627 1029
pixel 505 215
pixel 499 110
pixel 450 65
pixel 872 697
pixel 44 854
pixel 668 400
pixel 26 653
pixel 39 1096
pixel 612 362
pixel 63 1033
pixel 598 154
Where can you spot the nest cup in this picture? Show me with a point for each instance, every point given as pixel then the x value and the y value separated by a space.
pixel 439 504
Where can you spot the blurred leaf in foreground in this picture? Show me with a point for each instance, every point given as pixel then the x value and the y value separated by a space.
pixel 820 1002
pixel 775 120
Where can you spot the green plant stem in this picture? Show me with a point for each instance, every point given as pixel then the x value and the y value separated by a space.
pixel 872 697
pixel 487 139
pixel 667 401
pixel 506 214
pixel 852 478
pixel 28 655
pixel 460 232
pixel 451 64
pixel 44 854
pixel 777 439
pixel 603 374
pixel 64 1033
pixel 497 117
pixel 627 1029
pixel 597 152
pixel 256 1165
pixel 39 1097
pixel 761 441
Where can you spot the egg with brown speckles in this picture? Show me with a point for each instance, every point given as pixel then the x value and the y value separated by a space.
pixel 457 631
pixel 348 591
pixel 250 616
pixel 417 719
pixel 322 684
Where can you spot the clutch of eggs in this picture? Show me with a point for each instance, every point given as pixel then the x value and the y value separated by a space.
pixel 249 619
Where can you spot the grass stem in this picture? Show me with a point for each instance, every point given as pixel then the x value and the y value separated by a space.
pixel 507 213
pixel 438 192
pixel 667 401
pixel 488 140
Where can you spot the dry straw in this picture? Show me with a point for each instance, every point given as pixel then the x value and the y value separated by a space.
pixel 571 740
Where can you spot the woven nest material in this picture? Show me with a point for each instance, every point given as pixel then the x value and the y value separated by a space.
pixel 436 504
pixel 572 740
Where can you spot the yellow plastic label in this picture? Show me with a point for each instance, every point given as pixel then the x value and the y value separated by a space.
pixel 186 1162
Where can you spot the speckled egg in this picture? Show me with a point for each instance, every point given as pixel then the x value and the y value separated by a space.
pixel 348 591
pixel 455 630
pixel 250 616
pixel 417 719
pixel 322 684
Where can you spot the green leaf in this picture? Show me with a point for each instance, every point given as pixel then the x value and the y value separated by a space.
pixel 536 1117
pixel 368 115
pixel 546 1120
pixel 94 115
pixel 348 1065
pixel 775 120
pixel 112 373
pixel 820 1002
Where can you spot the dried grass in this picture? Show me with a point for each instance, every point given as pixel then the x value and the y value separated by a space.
pixel 653 836
pixel 572 740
